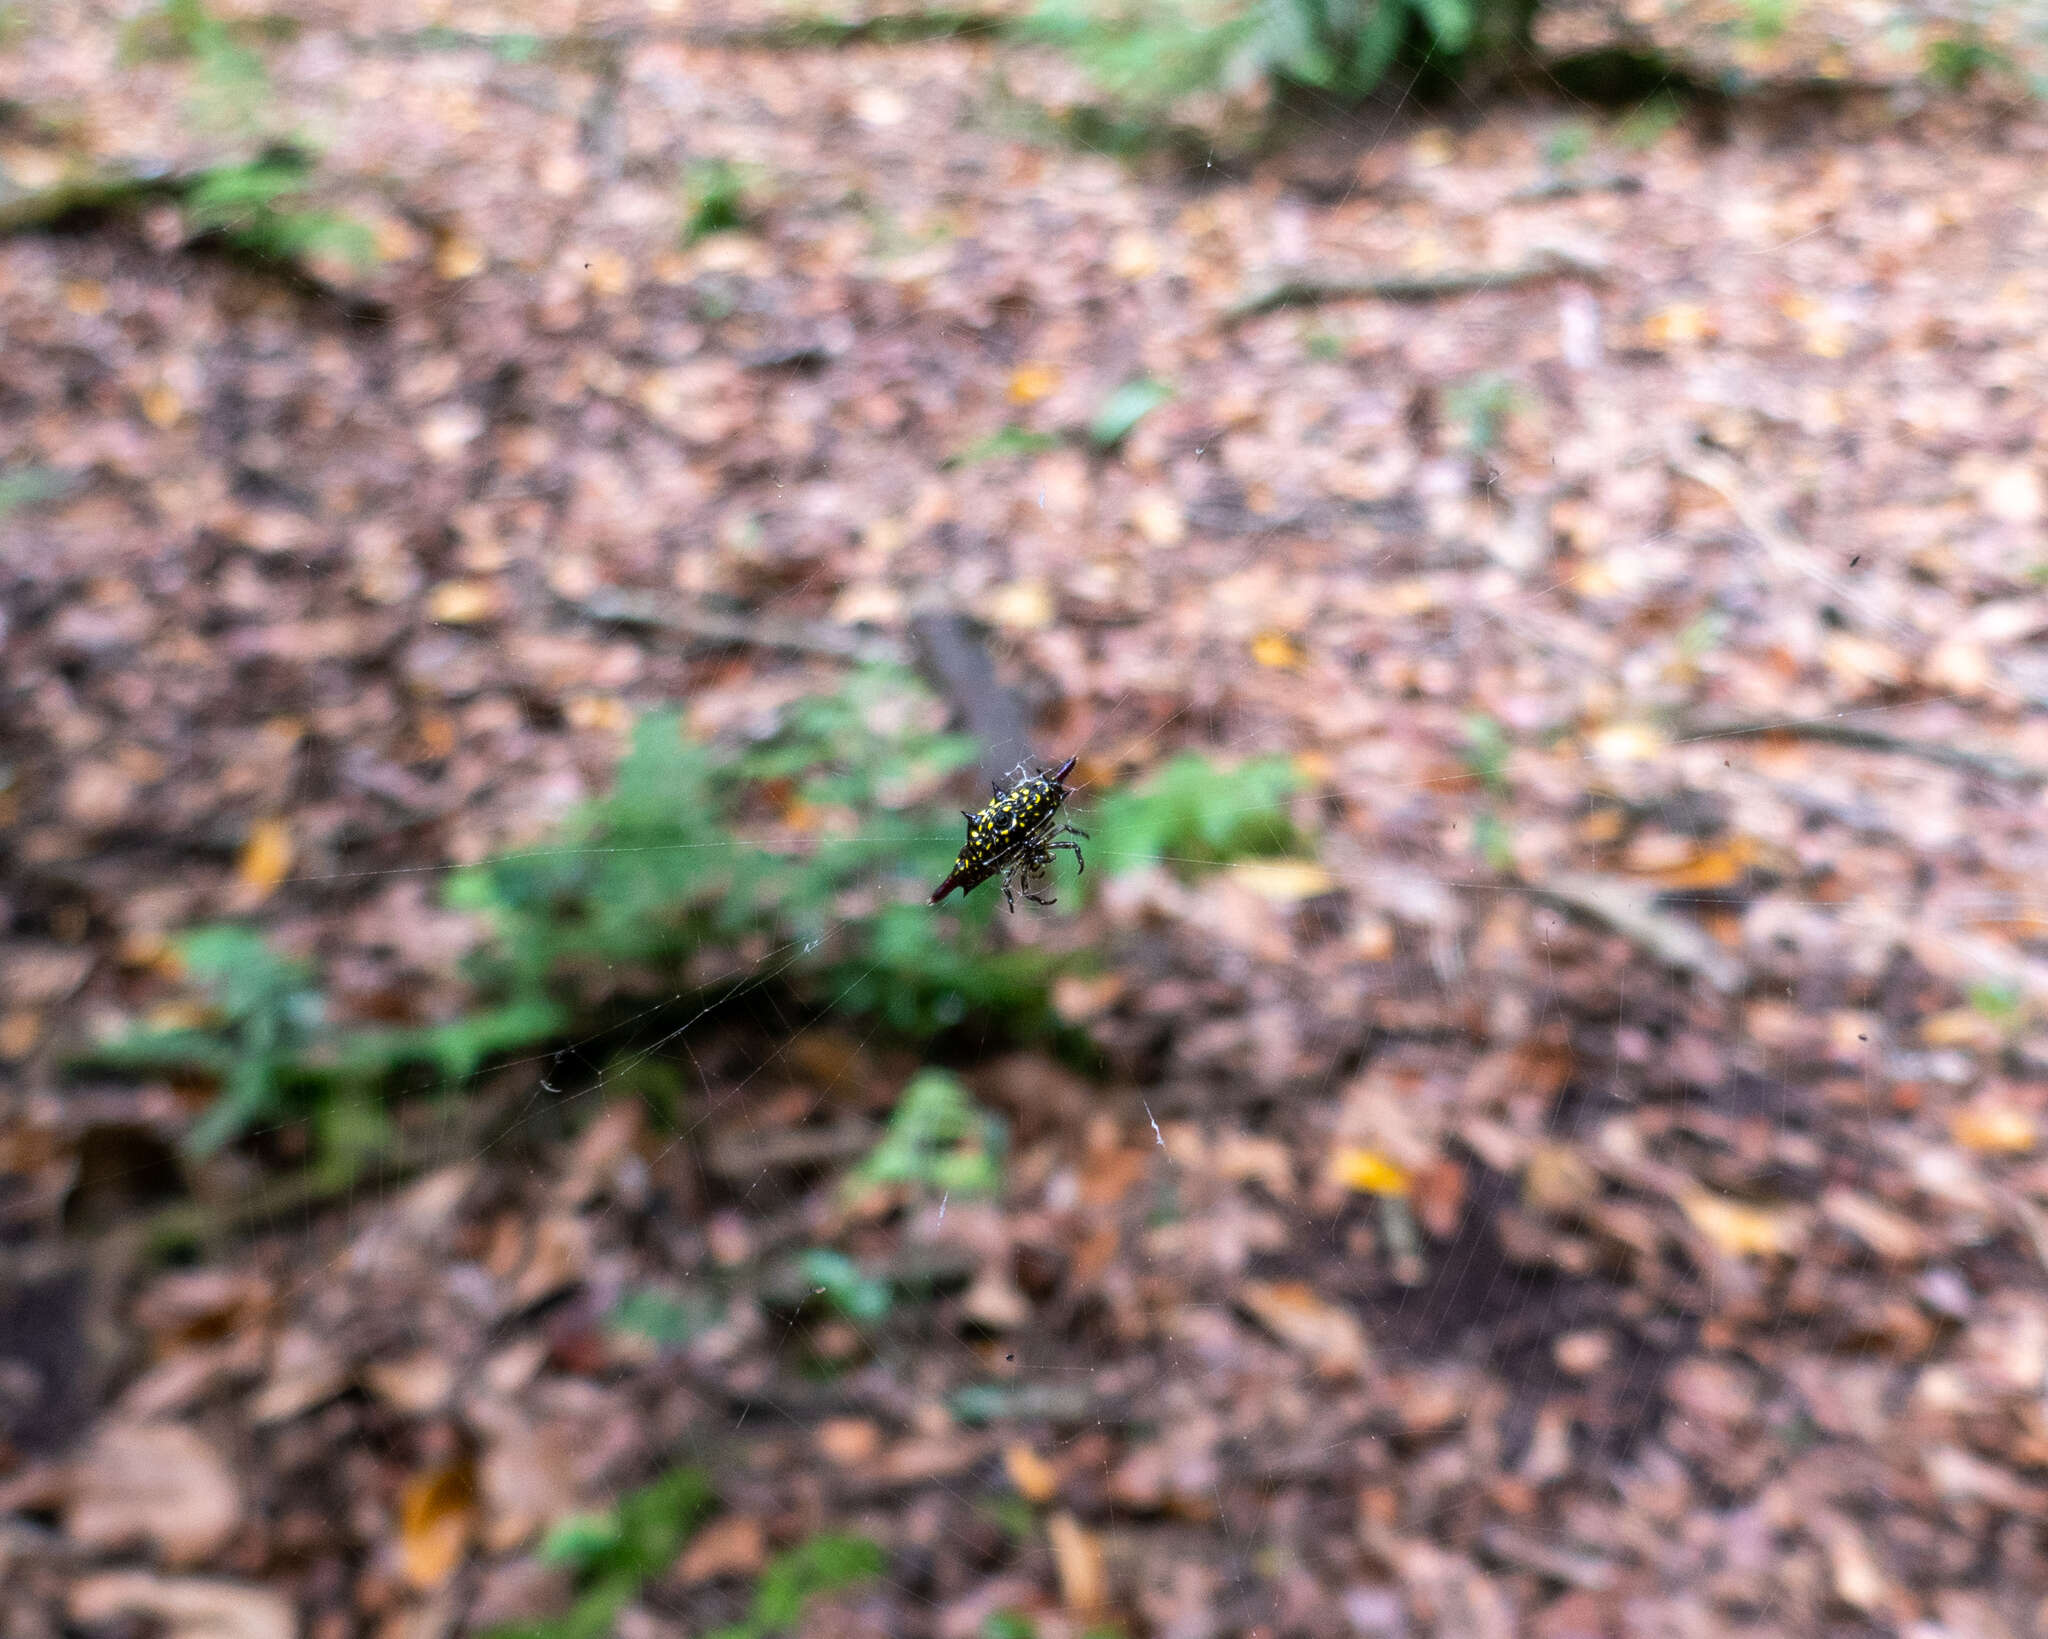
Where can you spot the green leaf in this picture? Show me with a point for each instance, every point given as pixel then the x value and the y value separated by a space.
pixel 860 1298
pixel 1007 441
pixel 1125 408
pixel 822 1564
pixel 1450 22
pixel 939 1139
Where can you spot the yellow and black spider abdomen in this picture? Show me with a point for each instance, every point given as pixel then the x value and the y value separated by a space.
pixel 1010 824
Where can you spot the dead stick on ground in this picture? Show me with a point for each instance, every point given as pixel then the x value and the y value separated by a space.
pixel 757 631
pixel 1309 290
pixel 1632 912
pixel 1988 763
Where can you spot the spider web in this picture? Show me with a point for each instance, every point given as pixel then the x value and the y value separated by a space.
pixel 1481 1260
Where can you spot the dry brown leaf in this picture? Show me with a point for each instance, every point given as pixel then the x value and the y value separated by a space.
pixel 733 1546
pixel 1743 1231
pixel 1283 881
pixel 1559 1180
pixel 1889 1234
pixel 848 1441
pixel 1078 1558
pixel 437 1515
pixel 187 1607
pixel 1329 1336
pixel 305 1372
pixel 414 1383
pixel 1991 1127
pixel 158 1483
pixel 463 602
pixel 561 1254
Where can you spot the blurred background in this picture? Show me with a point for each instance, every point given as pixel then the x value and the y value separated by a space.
pixel 522 529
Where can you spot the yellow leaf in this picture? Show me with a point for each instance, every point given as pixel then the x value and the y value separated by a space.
pixel 459 258
pixel 462 602
pixel 604 713
pixel 162 406
pixel 85 297
pixel 1022 606
pixel 1278 650
pixel 1962 1027
pixel 266 856
pixel 1628 743
pixel 436 1517
pixel 1283 881
pixel 1367 1171
pixel 1159 519
pixel 1077 1557
pixel 1992 1128
pixel 1678 325
pixel 1133 256
pixel 1743 1231
pixel 1036 1480
pixel 1031 382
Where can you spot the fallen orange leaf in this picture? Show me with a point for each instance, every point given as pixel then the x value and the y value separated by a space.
pixel 436 1518
pixel 266 857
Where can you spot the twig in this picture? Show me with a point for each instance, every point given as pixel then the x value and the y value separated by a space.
pixel 743 1157
pixel 757 631
pixel 1571 187
pixel 1831 732
pixel 953 656
pixel 1632 912
pixel 1309 290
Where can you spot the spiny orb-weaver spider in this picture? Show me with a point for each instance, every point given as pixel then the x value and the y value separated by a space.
pixel 1014 837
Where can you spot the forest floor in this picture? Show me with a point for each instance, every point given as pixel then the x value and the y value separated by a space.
pixel 1603 1193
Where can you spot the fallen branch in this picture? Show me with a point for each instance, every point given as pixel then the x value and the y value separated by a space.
pixel 625 608
pixel 1309 290
pixel 1632 912
pixel 1830 731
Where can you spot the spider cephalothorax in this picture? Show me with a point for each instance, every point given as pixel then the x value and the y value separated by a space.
pixel 1014 837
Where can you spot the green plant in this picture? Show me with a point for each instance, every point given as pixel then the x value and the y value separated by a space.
pixel 263 1015
pixel 30 486
pixel 1649 122
pixel 1567 145
pixel 795 1577
pixel 258 208
pixel 1007 1624
pixel 803 859
pixel 1481 406
pixel 839 1281
pixel 714 199
pixel 1124 409
pixel 1956 61
pixel 1192 812
pixel 937 1138
pixel 612 1554
pixel 1323 346
pixel 1765 20
pixel 1151 53
pixel 658 1318
pixel 1486 752
pixel 1003 443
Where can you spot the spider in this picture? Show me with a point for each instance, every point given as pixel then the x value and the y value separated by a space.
pixel 1013 838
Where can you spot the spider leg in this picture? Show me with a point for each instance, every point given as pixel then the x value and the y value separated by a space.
pixel 1038 901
